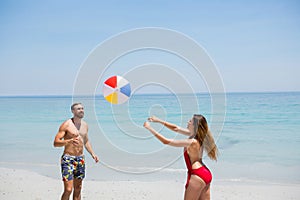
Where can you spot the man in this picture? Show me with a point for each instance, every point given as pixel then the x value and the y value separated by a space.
pixel 73 135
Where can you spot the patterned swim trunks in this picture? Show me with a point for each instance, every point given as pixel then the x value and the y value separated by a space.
pixel 72 167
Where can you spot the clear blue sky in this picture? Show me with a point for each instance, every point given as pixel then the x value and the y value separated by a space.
pixel 255 44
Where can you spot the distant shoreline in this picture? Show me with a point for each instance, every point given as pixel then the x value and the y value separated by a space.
pixel 144 94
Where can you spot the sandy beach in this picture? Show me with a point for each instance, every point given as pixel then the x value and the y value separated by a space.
pixel 21 184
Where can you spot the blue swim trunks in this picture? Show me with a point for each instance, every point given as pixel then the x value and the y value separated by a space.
pixel 72 167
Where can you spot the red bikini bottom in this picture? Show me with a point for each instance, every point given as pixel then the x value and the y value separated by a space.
pixel 203 172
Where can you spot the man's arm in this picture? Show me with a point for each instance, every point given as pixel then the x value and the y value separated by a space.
pixel 89 148
pixel 59 140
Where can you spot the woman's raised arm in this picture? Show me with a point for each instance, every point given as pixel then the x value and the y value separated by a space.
pixel 170 126
pixel 167 141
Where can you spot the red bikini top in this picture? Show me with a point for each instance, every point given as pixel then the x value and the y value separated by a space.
pixel 187 160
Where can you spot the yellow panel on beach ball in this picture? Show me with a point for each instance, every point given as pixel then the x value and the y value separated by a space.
pixel 112 98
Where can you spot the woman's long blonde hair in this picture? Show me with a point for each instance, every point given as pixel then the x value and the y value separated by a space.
pixel 204 136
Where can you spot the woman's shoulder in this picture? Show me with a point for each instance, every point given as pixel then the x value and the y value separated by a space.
pixel 194 144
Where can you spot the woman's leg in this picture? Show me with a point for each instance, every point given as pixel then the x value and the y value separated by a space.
pixel 205 195
pixel 195 188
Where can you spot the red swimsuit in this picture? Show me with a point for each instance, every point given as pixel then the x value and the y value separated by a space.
pixel 203 172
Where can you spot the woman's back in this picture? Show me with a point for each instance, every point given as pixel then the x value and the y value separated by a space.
pixel 195 152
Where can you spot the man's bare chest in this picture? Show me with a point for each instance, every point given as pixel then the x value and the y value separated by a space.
pixel 73 132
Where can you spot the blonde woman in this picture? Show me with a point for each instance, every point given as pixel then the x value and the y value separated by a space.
pixel 200 139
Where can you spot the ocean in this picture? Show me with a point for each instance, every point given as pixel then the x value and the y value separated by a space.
pixel 258 139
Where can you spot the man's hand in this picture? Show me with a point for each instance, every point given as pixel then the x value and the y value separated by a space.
pixel 95 157
pixel 75 141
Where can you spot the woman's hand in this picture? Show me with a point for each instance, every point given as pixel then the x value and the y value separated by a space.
pixel 154 119
pixel 147 125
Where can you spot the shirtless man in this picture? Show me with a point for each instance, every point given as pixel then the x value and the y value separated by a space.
pixel 73 135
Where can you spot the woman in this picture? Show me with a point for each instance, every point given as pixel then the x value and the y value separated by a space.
pixel 200 138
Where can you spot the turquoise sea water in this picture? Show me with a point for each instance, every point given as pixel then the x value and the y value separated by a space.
pixel 259 140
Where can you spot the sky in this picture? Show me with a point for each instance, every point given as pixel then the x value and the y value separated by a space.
pixel 254 44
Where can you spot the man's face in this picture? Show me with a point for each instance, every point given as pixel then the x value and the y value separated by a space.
pixel 78 111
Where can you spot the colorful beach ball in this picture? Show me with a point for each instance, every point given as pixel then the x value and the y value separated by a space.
pixel 116 90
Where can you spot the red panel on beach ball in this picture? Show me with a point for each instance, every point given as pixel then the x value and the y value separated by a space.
pixel 112 81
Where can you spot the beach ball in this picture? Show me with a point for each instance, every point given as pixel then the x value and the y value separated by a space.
pixel 116 90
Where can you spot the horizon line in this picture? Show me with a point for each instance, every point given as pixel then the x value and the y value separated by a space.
pixel 197 93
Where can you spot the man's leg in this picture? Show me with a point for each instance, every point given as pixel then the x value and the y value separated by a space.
pixel 77 189
pixel 68 187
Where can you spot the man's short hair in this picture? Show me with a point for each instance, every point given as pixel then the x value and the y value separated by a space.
pixel 75 104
